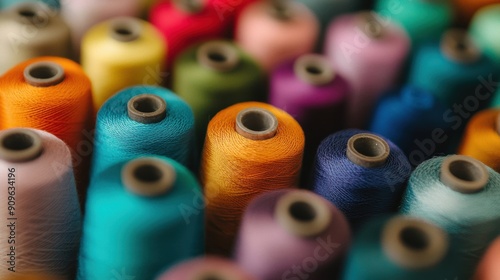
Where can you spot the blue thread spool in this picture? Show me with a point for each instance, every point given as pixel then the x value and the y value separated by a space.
pixel 364 175
pixel 135 224
pixel 402 247
pixel 7 3
pixel 461 195
pixel 413 120
pixel 143 120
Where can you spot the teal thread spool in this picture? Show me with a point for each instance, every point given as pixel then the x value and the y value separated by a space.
pixel 7 3
pixel 484 29
pixel 134 224
pixel 402 248
pixel 216 75
pixel 423 20
pixel 461 195
pixel 143 120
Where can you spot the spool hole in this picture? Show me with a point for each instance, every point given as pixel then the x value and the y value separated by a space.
pixel 368 147
pixel 43 72
pixel 18 142
pixel 147 105
pixel 414 238
pixel 27 13
pixel 314 70
pixel 465 171
pixel 123 31
pixel 257 121
pixel 211 277
pixel 302 211
pixel 148 173
pixel 217 57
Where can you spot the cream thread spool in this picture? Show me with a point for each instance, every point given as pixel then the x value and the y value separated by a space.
pixel 414 243
pixel 367 150
pixel 147 108
pixel 464 174
pixel 148 176
pixel 314 69
pixel 256 124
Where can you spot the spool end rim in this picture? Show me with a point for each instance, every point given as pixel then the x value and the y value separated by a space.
pixel 256 124
pixel 458 46
pixel 125 29
pixel 314 69
pixel 218 55
pixel 148 176
pixel 190 6
pixel 369 24
pixel 44 74
pixel 464 174
pixel 147 108
pixel 367 150
pixel 20 145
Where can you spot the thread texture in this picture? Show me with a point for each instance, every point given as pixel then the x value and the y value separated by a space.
pixel 48 223
pixel 271 40
pixel 483 29
pixel 473 219
pixel 119 138
pixel 267 250
pixel 235 169
pixel 488 269
pixel 481 140
pixel 212 266
pixel 23 37
pixel 113 65
pixel 422 20
pixel 139 236
pixel 357 57
pixel 359 192
pixel 368 260
pixel 64 110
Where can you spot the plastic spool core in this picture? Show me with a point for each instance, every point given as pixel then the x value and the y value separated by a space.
pixel 218 55
pixel 367 150
pixel 498 124
pixel 210 276
pixel 43 74
pixel 125 29
pixel 256 124
pixel 464 174
pixel 19 145
pixel 414 243
pixel 147 108
pixel 370 25
pixel 281 9
pixel 148 176
pixel 29 13
pixel 190 6
pixel 457 45
pixel 303 214
pixel 314 69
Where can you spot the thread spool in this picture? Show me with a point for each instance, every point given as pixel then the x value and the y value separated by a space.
pixel 363 174
pixel 495 101
pixel 483 29
pixel 452 78
pixel 5 4
pixel 466 9
pixel 373 45
pixel 311 91
pixel 251 167
pixel 274 32
pixel 435 189
pixel 488 270
pixel 206 268
pixel 400 247
pixel 29 30
pixel 422 20
pixel 141 121
pixel 41 206
pixel 129 38
pixel 182 27
pixel 147 191
pixel 295 224
pixel 213 76
pixel 52 94
pixel 413 120
pixel 481 138
pixel 81 15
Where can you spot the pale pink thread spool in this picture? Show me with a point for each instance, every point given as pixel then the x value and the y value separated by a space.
pixel 370 53
pixel 275 31
pixel 206 268
pixel 45 211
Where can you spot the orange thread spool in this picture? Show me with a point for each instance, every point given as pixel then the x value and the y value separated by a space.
pixel 488 269
pixel 250 148
pixel 481 139
pixel 52 94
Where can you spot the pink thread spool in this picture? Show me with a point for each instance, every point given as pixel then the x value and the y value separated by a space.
pixel 292 233
pixel 370 53
pixel 206 268
pixel 273 32
pixel 81 15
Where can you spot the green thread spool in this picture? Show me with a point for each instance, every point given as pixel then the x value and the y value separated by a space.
pixel 422 19
pixel 213 76
pixel 484 30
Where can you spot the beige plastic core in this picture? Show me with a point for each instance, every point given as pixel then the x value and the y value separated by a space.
pixel 148 176
pixel 20 145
